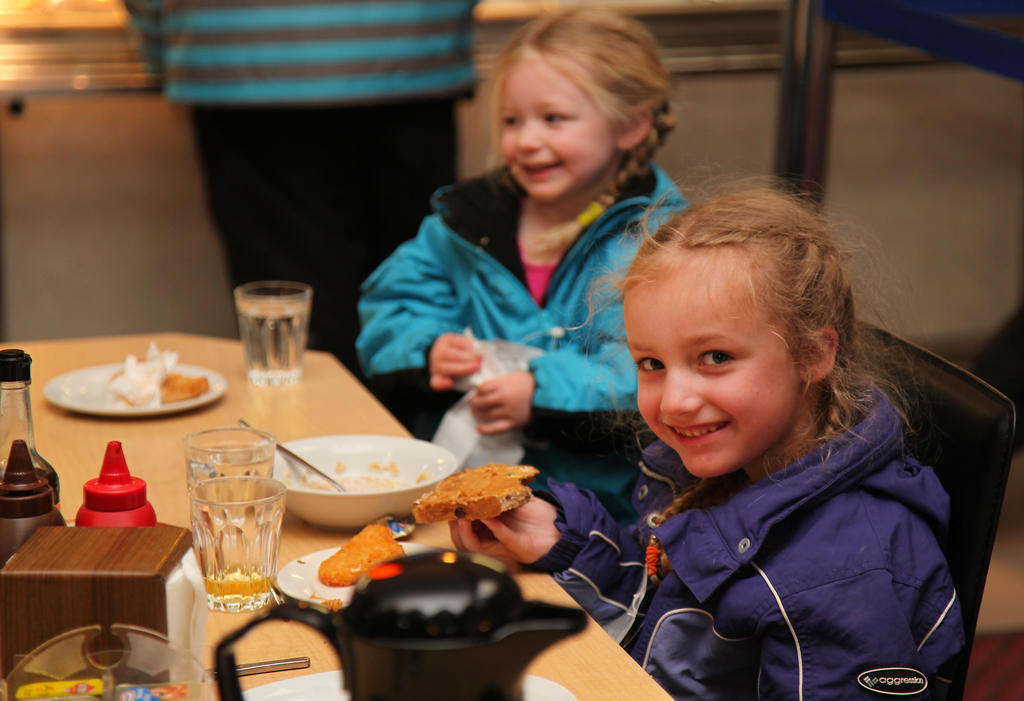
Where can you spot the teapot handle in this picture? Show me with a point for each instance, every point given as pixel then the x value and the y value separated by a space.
pixel 227 679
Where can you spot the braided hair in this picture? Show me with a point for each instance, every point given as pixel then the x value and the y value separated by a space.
pixel 800 280
pixel 614 60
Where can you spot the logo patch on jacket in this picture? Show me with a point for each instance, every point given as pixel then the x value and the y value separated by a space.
pixel 893 681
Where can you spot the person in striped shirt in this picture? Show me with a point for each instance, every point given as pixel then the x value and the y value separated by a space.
pixel 322 127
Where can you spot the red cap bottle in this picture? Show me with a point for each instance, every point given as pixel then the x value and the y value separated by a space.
pixel 115 498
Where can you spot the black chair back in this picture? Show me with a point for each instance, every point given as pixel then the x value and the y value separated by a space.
pixel 964 428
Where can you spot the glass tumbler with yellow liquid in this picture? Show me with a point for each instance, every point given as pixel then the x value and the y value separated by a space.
pixel 236 532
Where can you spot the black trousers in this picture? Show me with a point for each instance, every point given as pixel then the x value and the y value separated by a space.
pixel 323 195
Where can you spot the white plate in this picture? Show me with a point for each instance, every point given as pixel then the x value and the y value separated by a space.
pixel 85 391
pixel 327 686
pixel 299 579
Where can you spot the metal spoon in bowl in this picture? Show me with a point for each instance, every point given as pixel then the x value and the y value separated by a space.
pixel 301 461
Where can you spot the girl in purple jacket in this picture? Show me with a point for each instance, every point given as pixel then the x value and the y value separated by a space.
pixel 789 546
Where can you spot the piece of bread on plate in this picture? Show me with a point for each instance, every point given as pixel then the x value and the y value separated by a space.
pixel 367 549
pixel 481 492
pixel 178 388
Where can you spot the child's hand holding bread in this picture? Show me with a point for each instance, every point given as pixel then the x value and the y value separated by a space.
pixel 491 510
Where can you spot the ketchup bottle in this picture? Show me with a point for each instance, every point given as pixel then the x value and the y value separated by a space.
pixel 26 501
pixel 115 498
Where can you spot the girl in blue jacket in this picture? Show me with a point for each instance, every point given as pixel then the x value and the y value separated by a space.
pixel 581 103
pixel 789 547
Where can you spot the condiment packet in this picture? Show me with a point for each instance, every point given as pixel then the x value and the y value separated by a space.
pixel 184 691
pixel 399 527
pixel 138 383
pixel 65 690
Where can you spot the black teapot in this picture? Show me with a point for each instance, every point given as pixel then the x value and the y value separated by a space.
pixel 434 625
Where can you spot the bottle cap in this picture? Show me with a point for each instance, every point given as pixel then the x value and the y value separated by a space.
pixel 23 491
pixel 15 365
pixel 115 489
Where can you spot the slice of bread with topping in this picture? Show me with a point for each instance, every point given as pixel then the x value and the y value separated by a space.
pixel 482 492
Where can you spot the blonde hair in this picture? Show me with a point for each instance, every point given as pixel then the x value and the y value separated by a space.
pixel 614 60
pixel 799 280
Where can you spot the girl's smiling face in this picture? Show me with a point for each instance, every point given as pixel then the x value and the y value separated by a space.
pixel 717 382
pixel 555 140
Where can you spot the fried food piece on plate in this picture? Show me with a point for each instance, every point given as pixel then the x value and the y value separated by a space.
pixel 178 388
pixel 481 492
pixel 368 548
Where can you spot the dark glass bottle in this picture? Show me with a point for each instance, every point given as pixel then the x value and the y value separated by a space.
pixel 16 412
pixel 26 502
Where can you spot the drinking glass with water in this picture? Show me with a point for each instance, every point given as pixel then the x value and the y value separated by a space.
pixel 231 451
pixel 273 323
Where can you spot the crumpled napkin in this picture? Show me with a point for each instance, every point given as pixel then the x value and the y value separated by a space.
pixel 138 383
pixel 457 431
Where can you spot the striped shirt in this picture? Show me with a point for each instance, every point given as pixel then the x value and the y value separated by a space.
pixel 330 52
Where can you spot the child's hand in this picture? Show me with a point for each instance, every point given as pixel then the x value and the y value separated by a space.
pixel 503 403
pixel 524 534
pixel 451 356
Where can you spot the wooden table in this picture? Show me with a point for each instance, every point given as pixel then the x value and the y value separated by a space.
pixel 327 401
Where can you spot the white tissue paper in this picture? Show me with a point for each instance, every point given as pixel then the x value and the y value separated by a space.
pixel 457 431
pixel 138 384
pixel 187 609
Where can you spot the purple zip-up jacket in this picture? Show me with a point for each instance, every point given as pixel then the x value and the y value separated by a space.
pixel 825 580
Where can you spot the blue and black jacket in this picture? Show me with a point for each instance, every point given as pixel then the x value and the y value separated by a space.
pixel 463 271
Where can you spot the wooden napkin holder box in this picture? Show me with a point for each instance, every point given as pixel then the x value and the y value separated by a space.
pixel 66 578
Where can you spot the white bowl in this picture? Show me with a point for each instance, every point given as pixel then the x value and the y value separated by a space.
pixel 418 463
